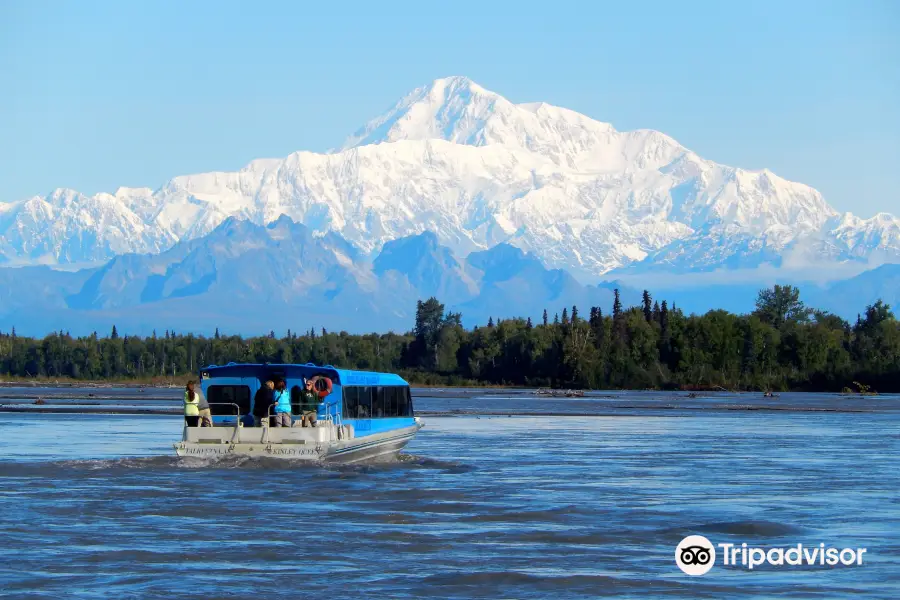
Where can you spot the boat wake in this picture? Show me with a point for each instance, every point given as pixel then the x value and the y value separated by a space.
pixel 165 463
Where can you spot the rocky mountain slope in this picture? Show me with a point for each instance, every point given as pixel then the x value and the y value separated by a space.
pixel 249 278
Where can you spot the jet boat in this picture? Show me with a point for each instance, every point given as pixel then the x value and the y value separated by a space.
pixel 366 416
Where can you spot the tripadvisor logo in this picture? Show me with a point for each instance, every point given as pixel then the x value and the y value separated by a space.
pixel 696 555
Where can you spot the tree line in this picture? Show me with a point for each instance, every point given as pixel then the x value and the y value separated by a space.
pixel 781 345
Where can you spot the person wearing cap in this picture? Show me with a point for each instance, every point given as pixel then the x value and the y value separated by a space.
pixel 310 398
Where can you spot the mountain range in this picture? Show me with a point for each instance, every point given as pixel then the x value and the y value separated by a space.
pixel 498 208
pixel 247 278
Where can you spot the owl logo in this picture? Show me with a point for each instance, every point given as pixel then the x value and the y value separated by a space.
pixel 695 555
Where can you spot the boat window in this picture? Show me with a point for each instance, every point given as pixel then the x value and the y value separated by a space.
pixel 408 409
pixel 364 406
pixel 364 402
pixel 390 401
pixel 386 393
pixel 228 394
pixel 351 402
pixel 402 403
pixel 378 403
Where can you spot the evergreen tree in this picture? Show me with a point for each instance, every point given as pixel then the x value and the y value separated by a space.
pixel 324 332
pixel 271 334
pixel 665 334
pixel 528 324
pixel 656 311
pixel 565 316
pixel 648 307
pixel 574 315
pixel 428 328
pixel 556 318
pixel 617 305
pixel 597 328
pixel 545 322
pixel 217 333
pixel 490 321
pixel 113 336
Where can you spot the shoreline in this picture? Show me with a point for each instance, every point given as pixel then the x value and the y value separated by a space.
pixel 462 402
pixel 458 390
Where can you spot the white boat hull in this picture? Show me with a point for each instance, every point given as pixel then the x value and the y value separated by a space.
pixel 324 443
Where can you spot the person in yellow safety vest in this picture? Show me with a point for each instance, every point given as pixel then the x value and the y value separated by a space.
pixel 191 405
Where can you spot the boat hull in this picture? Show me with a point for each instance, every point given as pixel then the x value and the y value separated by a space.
pixel 377 446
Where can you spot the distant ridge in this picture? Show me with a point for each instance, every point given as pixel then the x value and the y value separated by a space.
pixel 249 278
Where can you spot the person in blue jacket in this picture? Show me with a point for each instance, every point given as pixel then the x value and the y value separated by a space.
pixel 282 400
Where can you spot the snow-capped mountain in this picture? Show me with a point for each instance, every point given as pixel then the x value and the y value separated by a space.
pixel 476 170
pixel 68 227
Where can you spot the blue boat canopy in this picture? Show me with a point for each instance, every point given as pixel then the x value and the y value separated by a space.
pixel 342 377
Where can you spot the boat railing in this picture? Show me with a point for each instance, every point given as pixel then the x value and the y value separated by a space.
pixel 332 419
pixel 237 418
pixel 268 422
pixel 237 409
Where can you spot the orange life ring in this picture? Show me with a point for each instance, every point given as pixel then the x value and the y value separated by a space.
pixel 328 386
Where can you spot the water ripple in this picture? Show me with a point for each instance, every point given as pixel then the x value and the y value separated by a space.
pixel 522 507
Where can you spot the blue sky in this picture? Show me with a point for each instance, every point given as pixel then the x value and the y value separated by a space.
pixel 94 95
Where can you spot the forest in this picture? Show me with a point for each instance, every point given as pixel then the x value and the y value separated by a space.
pixel 781 345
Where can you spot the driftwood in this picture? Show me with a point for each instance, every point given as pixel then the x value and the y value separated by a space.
pixel 559 393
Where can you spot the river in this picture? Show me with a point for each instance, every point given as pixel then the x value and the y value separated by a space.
pixel 479 505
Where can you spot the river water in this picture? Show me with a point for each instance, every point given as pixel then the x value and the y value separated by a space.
pixel 478 506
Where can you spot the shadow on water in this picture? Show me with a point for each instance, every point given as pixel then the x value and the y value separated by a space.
pixel 750 528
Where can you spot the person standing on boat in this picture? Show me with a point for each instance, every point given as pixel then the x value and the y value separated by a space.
pixel 265 397
pixel 282 405
pixel 310 398
pixel 191 405
pixel 205 413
